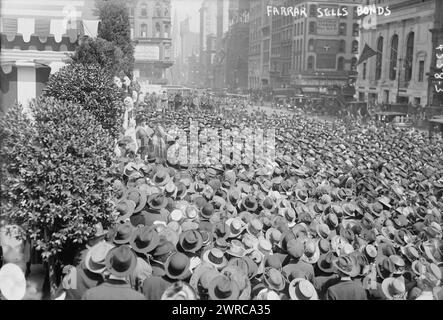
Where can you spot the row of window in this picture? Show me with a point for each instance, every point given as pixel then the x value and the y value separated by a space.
pixel 406 61
pixel 157 27
pixel 342 29
pixel 158 10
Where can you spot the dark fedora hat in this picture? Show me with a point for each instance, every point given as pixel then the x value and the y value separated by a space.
pixel 223 287
pixel 144 239
pixel 191 241
pixel 121 261
pixel 163 250
pixel 177 266
pixel 157 201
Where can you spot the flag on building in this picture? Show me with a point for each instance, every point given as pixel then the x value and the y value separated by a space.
pixel 366 54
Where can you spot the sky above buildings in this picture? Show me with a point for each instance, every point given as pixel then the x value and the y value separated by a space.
pixel 186 8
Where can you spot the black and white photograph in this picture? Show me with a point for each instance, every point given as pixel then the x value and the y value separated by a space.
pixel 224 150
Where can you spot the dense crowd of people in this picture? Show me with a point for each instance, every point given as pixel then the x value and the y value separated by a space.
pixel 344 211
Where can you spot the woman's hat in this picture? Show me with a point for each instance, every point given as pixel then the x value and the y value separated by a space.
pixel 177 266
pixel 223 288
pixel 302 289
pixel 393 289
pixel 121 261
pixel 191 241
pixel 96 255
pixel 274 279
pixel 215 257
pixel 144 239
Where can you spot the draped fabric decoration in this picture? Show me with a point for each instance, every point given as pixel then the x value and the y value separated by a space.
pixel 91 27
pixel 25 26
pixel 58 29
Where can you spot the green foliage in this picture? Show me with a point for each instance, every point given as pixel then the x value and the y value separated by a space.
pixel 115 27
pixel 93 88
pixel 55 173
pixel 101 52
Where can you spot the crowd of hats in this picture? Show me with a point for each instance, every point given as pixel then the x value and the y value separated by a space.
pixel 355 200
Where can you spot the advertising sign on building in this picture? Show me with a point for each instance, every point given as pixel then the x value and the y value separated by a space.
pixel 327 27
pixel 147 52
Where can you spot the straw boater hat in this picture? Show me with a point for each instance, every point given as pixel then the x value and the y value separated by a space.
pixel 96 255
pixel 215 257
pixel 235 226
pixel 302 289
pixel 12 282
pixel 393 289
pixel 179 291
pixel 274 279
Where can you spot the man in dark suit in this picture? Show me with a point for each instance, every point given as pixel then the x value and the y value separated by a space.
pixel 120 263
pixel 346 288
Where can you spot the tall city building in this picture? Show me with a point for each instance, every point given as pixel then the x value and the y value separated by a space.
pixel 35 40
pixel 189 44
pixel 208 31
pixel 237 49
pixel 325 38
pixel 151 32
pixel 404 43
pixel 255 44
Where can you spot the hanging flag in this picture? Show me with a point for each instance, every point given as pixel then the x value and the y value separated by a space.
pixel 366 54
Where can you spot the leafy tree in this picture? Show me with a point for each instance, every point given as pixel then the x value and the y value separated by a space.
pixel 115 27
pixel 93 88
pixel 101 52
pixel 55 173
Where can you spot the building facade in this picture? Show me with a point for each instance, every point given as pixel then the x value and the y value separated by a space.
pixel 255 44
pixel 324 48
pixel 151 32
pixel 35 41
pixel 404 41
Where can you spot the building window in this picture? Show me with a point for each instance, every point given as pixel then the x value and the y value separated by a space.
pixel 311 45
pixel 393 62
pixel 144 10
pixel 342 46
pixel 354 64
pixel 158 10
pixel 157 30
pixel 355 30
pixel 342 29
pixel 311 62
pixel 409 56
pixel 379 61
pixel 341 64
pixel 355 46
pixel 144 31
pixel 421 70
pixel 313 10
pixel 166 12
pixel 301 28
pixel 312 27
pixel 166 31
pixel 364 71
